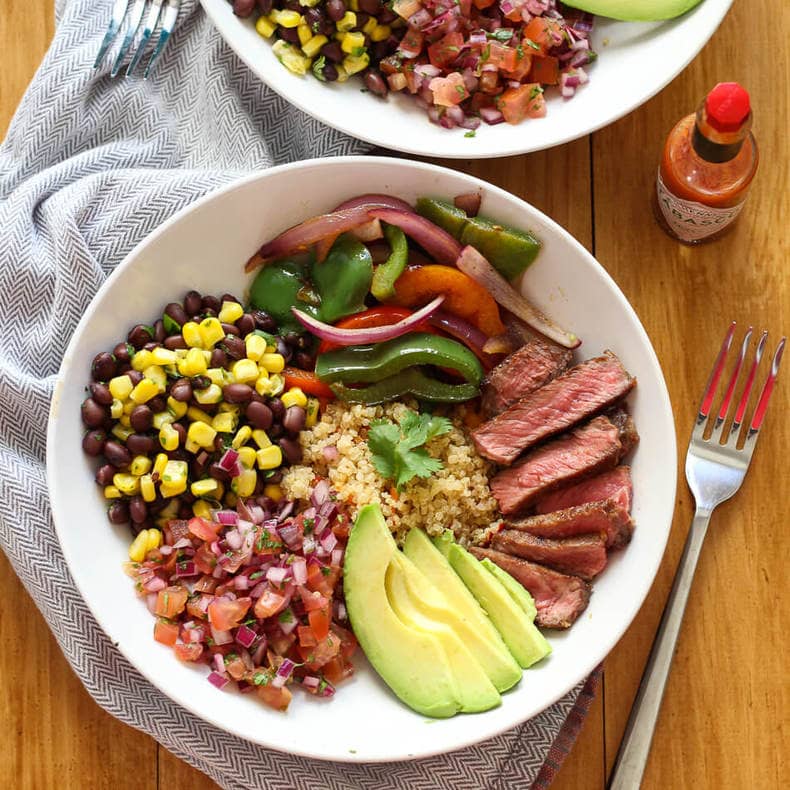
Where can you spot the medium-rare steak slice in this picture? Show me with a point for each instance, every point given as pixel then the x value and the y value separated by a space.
pixel 531 366
pixel 607 517
pixel 583 556
pixel 572 397
pixel 585 451
pixel 613 486
pixel 629 437
pixel 559 598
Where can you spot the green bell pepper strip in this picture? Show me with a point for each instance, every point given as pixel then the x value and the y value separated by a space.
pixel 372 363
pixel 275 290
pixel 343 279
pixel 383 285
pixel 411 381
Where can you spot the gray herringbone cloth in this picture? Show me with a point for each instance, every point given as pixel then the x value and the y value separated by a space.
pixel 89 167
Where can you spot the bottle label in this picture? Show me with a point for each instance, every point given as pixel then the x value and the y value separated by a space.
pixel 689 220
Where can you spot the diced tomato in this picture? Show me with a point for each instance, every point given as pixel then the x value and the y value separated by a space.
pixel 412 43
pixel 170 602
pixel 165 632
pixel 480 100
pixel 205 559
pixel 279 699
pixel 188 652
pixel 194 608
pixel 499 55
pixel 390 65
pixel 319 622
pixel 448 91
pixel 281 643
pixel 446 50
pixel 203 529
pixel 526 101
pixel 489 84
pixel 225 614
pixel 312 600
pixel 342 527
pixel 306 636
pixel 268 604
pixel 483 3
pixel 175 529
pixel 523 65
pixel 544 32
pixel 545 70
pixel 337 669
pixel 413 80
pixel 315 657
pixel 348 642
pixel 236 668
pixel 322 579
pixel 206 584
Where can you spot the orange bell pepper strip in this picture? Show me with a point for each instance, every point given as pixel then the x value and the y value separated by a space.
pixel 308 382
pixel 462 295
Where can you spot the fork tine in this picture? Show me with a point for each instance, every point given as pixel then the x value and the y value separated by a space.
pixel 134 22
pixel 713 382
pixel 765 395
pixel 151 22
pixel 168 23
pixel 725 403
pixel 116 18
pixel 747 390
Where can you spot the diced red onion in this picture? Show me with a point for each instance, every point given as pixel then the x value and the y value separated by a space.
pixel 427 70
pixel 165 550
pixel 331 453
pixel 327 691
pixel 260 651
pixel 328 541
pixel 299 568
pixel 289 533
pixel 470 122
pixel 285 511
pixel 337 557
pixel 184 543
pixel 308 544
pixel 258 590
pixel 311 681
pixel 150 602
pixel 320 494
pixel 245 636
pixel 491 115
pixel 241 582
pixel 234 539
pixel 154 584
pixel 283 673
pixel 288 622
pixel 478 38
pixel 369 231
pixel 186 568
pixel 277 575
pixel 220 681
pixel 456 114
pixel 227 517
pixel 227 462
pixel 219 662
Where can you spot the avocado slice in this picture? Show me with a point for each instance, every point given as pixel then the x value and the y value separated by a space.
pixel 456 606
pixel 510 251
pixel 524 641
pixel 412 662
pixel 443 214
pixel 476 691
pixel 634 10
pixel 516 591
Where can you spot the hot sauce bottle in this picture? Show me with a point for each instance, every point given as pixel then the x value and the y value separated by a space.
pixel 708 163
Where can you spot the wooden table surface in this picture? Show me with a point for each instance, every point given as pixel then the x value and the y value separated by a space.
pixel 725 718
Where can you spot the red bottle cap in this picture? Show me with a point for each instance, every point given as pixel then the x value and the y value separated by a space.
pixel 727 107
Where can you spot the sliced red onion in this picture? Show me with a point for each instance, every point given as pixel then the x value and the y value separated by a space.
pixel 436 241
pixel 220 681
pixel 471 262
pixel 352 337
pixel 245 636
pixel 299 568
pixel 369 231
pixel 228 460
pixel 221 637
pixel 374 201
pixel 283 673
pixel 337 557
pixel 462 330
pixel 331 453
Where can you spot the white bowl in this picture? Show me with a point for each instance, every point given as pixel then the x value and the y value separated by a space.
pixel 636 60
pixel 204 247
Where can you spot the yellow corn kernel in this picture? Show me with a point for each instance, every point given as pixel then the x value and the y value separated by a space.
pixel 312 413
pixel 380 33
pixel 224 422
pixel 244 484
pixel 348 22
pixel 201 508
pixel 286 18
pixel 139 546
pixel 192 447
pixel 147 488
pixel 304 33
pixel 141 465
pixel 276 384
pixel 354 64
pixel 291 57
pixel 264 27
pixel 144 391
pixel 272 363
pixel 125 421
pixel 352 42
pixel 242 437
pixel 247 456
pixel 157 375
pixel 203 487
pixel 112 492
pixel 141 360
pixel 194 364
pixel 294 397
pixel 168 437
pixel 154 539
pixel 116 409
pixel 211 394
pixel 126 483
pixel 369 26
pixel 220 492
pixel 211 332
pixel 230 408
pixel 191 334
pixel 129 407
pixel 163 418
pixel 256 346
pixel 342 74
pixel 269 457
pixel 163 356
pixel 230 312
pixel 201 434
pixel 273 491
pixel 245 371
pixel 160 463
pixel 198 415
pixel 121 387
pixel 170 510
pixel 168 490
pixel 261 438
pixel 354 5
pixel 313 46
pixel 176 407
pixel 121 432
pixel 216 376
pixel 231 500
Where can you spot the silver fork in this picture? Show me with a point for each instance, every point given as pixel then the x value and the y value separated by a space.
pixel 136 10
pixel 714 471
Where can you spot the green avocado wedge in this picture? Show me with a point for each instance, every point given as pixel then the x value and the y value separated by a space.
pixel 456 606
pixel 518 593
pixel 475 690
pixel 635 10
pixel 411 661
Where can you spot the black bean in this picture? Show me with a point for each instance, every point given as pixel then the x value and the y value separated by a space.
pixel 362 20
pixel 101 393
pixel 277 407
pixel 333 52
pixel 175 310
pixel 230 329
pixel 246 324
pixel 181 390
pixel 93 414
pixel 157 506
pixel 159 331
pixel 291 338
pixel 259 415
pixel 386 16
pixel 208 408
pixel 140 444
pixel 193 302
pixel 135 376
pixel 288 34
pixel 103 367
pixel 105 474
pixel 260 484
pixel 175 341
pixel 275 431
pixel 227 297
pixel 151 346
pixel 211 303
pixel 117 454
pixel 118 512
pixel 201 382
pixel 294 419
pixel 139 335
pixel 93 442
pixel 199 465
pixel 179 454
pixel 188 497
pixel 275 477
pixel 182 433
pixel 314 17
pixel 138 528
pixel 293 5
pixel 138 510
pixel 218 358
pixel 265 6
pixel 375 83
pixel 122 352
pixel 304 361
pixel 157 404
pixel 218 473
pixel 335 9
pixel 292 450
pixel 330 72
pixel 141 418
pixel 372 7
pixel 185 512
pixel 264 321
pixel 234 347
pixel 237 393
pixel 243 8
pixel 284 349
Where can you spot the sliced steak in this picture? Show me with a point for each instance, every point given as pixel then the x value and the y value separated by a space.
pixel 567 400
pixel 629 437
pixel 559 598
pixel 583 556
pixel 585 451
pixel 612 486
pixel 607 517
pixel 531 366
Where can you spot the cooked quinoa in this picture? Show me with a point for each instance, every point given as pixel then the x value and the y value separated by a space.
pixel 457 497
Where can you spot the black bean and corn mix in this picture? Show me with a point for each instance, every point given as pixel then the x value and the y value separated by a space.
pixel 196 411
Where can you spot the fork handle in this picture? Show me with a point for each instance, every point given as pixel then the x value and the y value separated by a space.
pixel 635 746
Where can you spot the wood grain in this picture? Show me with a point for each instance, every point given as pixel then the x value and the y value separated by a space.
pixel 725 719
